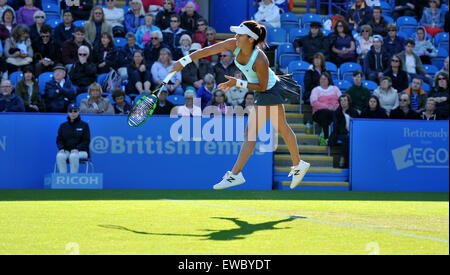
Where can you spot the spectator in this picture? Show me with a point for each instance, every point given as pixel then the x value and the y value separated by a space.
pixel 360 95
pixel 376 60
pixel 440 93
pixel 25 14
pixel 341 127
pixel 236 94
pixel 417 95
pixel 358 14
pixel 114 16
pixel 404 111
pixel 135 17
pixel 200 34
pixel 430 110
pixel 17 4
pixel 161 69
pixel 72 141
pixel 249 102
pixel 403 8
pixel 9 101
pixel 312 75
pixel 164 107
pixel 313 43
pixel 387 94
pixel 395 72
pixel 59 91
pixel 80 12
pixel 139 77
pixel 268 14
pixel 180 5
pixel 444 69
pixel 433 18
pixel 18 49
pixel 96 104
pixel 393 43
pixel 126 54
pixel 70 47
pixel 324 101
pixel 189 108
pixel 204 93
pixel 412 64
pixel 211 40
pixel 28 90
pixel 226 66
pixel 144 32
pixel 219 105
pixel 424 48
pixel 172 35
pixel 377 22
pixel 106 56
pixel 373 109
pixel 83 72
pixel 163 17
pixel 193 73
pixel 65 29
pixel 96 25
pixel 190 18
pixel 185 47
pixel 4 6
pixel 46 51
pixel 7 24
pixel 364 42
pixel 121 106
pixel 35 28
pixel 151 50
pixel 342 43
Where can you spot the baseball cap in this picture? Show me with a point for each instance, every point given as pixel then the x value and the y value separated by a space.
pixel 59 66
pixel 377 37
pixel 72 106
pixel 316 25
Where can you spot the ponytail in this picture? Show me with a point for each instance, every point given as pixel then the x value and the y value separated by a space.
pixel 258 29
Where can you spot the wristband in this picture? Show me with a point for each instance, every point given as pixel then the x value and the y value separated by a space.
pixel 241 83
pixel 185 60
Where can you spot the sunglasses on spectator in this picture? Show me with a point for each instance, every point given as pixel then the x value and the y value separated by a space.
pixel 209 34
pixel 155 38
pixel 395 60
pixel 223 55
pixel 82 54
pixel 37 17
pixel 442 78
pixel 5 87
pixel 364 31
pixel 403 100
pixel 392 30
pixel 45 35
pixel 73 111
pixel 201 24
pixel 173 21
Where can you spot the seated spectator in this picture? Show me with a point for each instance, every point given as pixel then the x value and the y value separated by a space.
pixel 4 6
pixel 106 56
pixel 25 14
pixel 430 110
pixel 312 75
pixel 189 108
pixel 59 91
pixel 190 18
pixel 342 44
pixel 139 76
pixel 204 93
pixel 268 14
pixel 180 5
pixel 185 47
pixel 395 72
pixel 403 8
pixel 324 101
pixel 114 16
pixel 96 25
pixel 96 104
pixel 18 49
pixel 193 73
pixel 144 32
pixel 377 22
pixel 46 51
pixel 151 50
pixel 28 90
pixel 10 101
pixel 417 95
pixel 164 107
pixel 387 95
pixel 172 35
pixel 72 141
pixel 226 66
pixel 341 127
pixel 70 47
pixel 376 60
pixel 393 43
pixel 7 24
pixel 135 17
pixel 360 95
pixel 126 54
pixel 163 17
pixel 65 29
pixel 219 105
pixel 358 14
pixel 83 72
pixel 121 106
pixel 199 35
pixel 424 48
pixel 440 93
pixel 444 69
pixel 313 43
pixel 412 64
pixel 79 12
pixel 404 111
pixel 249 102
pixel 35 28
pixel 211 40
pixel 373 109
pixel 433 18
pixel 161 69
pixel 364 42
pixel 236 94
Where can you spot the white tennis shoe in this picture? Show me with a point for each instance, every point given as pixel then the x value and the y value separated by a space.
pixel 230 180
pixel 298 172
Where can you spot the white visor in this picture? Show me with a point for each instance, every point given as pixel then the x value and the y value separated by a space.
pixel 243 29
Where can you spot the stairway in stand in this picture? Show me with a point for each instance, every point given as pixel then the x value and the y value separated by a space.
pixel 300 7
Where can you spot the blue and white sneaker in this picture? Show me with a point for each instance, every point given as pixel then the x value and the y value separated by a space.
pixel 230 180
pixel 298 172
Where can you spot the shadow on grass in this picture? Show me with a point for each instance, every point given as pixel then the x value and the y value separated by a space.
pixel 245 229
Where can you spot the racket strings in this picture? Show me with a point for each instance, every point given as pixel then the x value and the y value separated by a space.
pixel 142 110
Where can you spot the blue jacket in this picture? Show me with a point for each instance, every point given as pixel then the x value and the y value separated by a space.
pixel 126 55
pixel 13 104
pixel 394 46
pixel 128 21
pixel 205 96
pixel 427 18
pixel 56 97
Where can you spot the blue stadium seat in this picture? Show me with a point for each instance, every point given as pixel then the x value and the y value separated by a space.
pixel 177 100
pixel 346 70
pixel 285 54
pixel 403 35
pixel 53 22
pixel 438 61
pixel 389 19
pixel 276 36
pixel 120 42
pixel 343 85
pixel 289 21
pixel 297 33
pixel 49 8
pixel 15 77
pixel 80 97
pixel 42 79
pixel 386 8
pixel 298 65
pixel 78 23
pixel 441 40
pixel 407 24
pixel 369 84
pixel 307 18
pixel 136 99
pixel 333 69
pixel 101 78
pixel 430 69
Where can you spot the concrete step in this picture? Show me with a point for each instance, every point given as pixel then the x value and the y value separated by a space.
pixel 298 128
pixel 304 149
pixel 294 118
pixel 320 183
pixel 314 160
pixel 302 139
pixel 299 10
pixel 315 169
pixel 291 108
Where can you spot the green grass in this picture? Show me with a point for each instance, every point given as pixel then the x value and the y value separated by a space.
pixel 200 222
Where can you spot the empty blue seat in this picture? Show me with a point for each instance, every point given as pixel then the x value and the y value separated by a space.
pixel 101 78
pixel 176 99
pixel 53 22
pixel 333 69
pixel 285 54
pixel 276 36
pixel 78 23
pixel 343 85
pixel 369 84
pixel 42 79
pixel 298 65
pixel 120 42
pixel 438 61
pixel 15 77
pixel 346 70
pixel 441 40
pixel 289 21
pixel 430 69
pixel 297 33
pixel 307 18
pixel 407 24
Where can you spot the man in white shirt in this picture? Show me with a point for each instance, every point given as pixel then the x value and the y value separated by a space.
pixel 412 63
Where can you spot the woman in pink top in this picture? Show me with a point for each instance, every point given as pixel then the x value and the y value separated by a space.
pixel 324 100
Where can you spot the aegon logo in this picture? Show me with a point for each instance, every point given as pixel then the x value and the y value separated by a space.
pixel 427 157
pixel 3 143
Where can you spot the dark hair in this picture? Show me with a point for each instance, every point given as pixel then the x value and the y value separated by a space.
pixel 378 8
pixel 328 76
pixel 46 28
pixel 399 62
pixel 12 13
pixel 259 30
pixel 358 72
pixel 177 16
pixel 28 68
pixel 117 92
pixel 203 20
pixel 322 60
pixel 410 41
pixel 79 29
pixel 344 24
pixel 132 60
pixel 436 81
pixel 67 11
pixel 376 99
pixel 111 40
pixel 249 93
pixel 349 99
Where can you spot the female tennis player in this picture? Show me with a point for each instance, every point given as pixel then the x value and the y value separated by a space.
pixel 270 90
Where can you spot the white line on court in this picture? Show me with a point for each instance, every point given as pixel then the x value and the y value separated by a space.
pixel 314 220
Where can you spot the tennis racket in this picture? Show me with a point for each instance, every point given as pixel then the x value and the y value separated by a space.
pixel 146 105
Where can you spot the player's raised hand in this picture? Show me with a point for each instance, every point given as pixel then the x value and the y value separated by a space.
pixel 230 83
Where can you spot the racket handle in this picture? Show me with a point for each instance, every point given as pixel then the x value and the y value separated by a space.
pixel 168 77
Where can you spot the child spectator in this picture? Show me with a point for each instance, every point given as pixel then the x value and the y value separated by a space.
pixel 121 106
pixel 424 48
